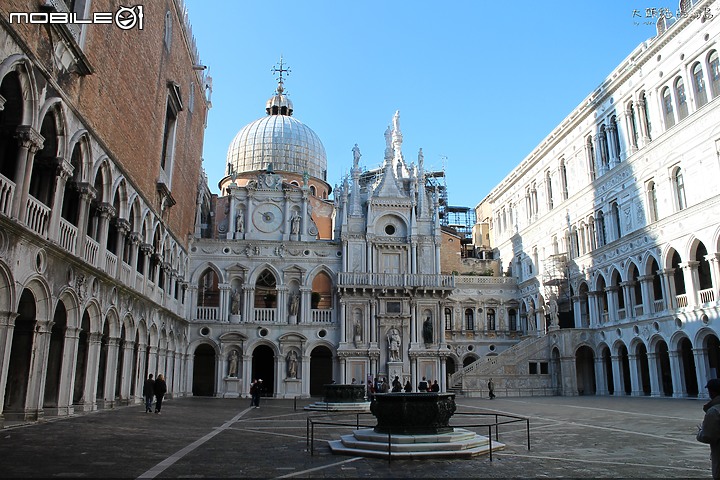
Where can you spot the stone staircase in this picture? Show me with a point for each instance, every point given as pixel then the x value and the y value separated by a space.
pixel 509 371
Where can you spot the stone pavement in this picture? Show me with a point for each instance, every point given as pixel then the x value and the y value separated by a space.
pixel 578 437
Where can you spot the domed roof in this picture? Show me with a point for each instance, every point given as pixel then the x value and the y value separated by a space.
pixel 280 139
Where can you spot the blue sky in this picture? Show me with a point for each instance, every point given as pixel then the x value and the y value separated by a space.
pixel 476 82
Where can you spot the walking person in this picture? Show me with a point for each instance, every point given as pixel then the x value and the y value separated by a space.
pixel 149 393
pixel 709 431
pixel 160 389
pixel 253 390
pixel 491 389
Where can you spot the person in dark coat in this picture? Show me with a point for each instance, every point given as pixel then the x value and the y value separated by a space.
pixel 396 385
pixel 160 389
pixel 435 387
pixel 149 393
pixel 408 387
pixel 423 385
pixel 709 431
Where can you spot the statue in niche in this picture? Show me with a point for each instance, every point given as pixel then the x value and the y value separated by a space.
pixel 295 224
pixel 235 303
pixel 427 330
pixel 232 364
pixel 394 344
pixel 292 364
pixel 294 304
pixel 239 222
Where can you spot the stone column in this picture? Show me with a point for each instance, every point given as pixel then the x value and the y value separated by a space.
pixel 610 133
pixel 600 376
pixel 692 282
pixel 667 277
pixel 595 314
pixel 67 371
pixel 413 340
pixel 373 322
pixel 64 171
pixel 111 366
pixel 305 305
pixel 146 250
pixel 654 371
pixel 91 374
pixel 647 293
pixel 343 316
pixel 636 388
pixel 87 194
pixel 29 142
pixel 630 128
pixel 140 372
pixel 123 228
pixel 577 311
pixel 600 167
pixel 106 211
pixel 127 368
pixel 679 390
pixel 38 368
pixel 618 383
pixel 714 261
pixel 281 307
pixel 153 360
pixel 702 369
pixel 225 295
pixel 248 303
pixel 629 295
pixel 643 121
pixel 612 302
pixel 7 326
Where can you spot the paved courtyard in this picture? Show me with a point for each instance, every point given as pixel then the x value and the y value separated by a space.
pixel 580 437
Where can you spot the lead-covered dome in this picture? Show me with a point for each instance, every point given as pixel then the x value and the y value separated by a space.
pixel 280 139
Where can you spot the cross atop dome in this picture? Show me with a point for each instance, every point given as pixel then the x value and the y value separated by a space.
pixel 279 71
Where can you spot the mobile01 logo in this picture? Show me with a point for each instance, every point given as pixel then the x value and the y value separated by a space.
pixel 125 18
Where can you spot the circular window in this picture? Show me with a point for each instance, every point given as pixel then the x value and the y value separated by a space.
pixel 470 348
pixel 678 323
pixel 492 348
pixel 40 261
pixel 636 330
pixel 705 319
pixel 263 332
pixel 226 250
pixel 205 331
pixel 602 335
pixel 306 252
pixel 390 229
pixel 656 326
pixel 618 332
pixel 322 333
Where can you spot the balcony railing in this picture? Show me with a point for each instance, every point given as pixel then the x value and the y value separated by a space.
pixel 391 280
pixel 110 263
pixel 68 235
pixel 621 314
pixel 659 305
pixel 207 313
pixel 126 274
pixel 264 315
pixel 639 310
pixel 604 317
pixel 91 250
pixel 7 190
pixel 707 295
pixel 682 300
pixel 37 216
pixel 321 315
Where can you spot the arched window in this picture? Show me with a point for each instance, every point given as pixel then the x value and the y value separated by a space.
pixel 512 319
pixel 616 218
pixel 682 107
pixel 646 111
pixel 633 125
pixel 563 180
pixel 313 191
pixel 600 226
pixel 604 150
pixel 590 151
pixel 491 319
pixel 548 186
pixel 651 201
pixel 469 319
pixel 679 186
pixel 448 319
pixel 699 85
pixel 615 138
pixel 714 73
pixel 667 105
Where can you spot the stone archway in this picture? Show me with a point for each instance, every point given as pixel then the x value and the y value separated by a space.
pixel 204 371
pixel 55 358
pixel 585 368
pixel 263 367
pixel 607 365
pixel 661 350
pixel 20 356
pixel 643 368
pixel 321 371
pixel 688 367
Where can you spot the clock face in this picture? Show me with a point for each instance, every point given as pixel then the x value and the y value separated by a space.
pixel 267 217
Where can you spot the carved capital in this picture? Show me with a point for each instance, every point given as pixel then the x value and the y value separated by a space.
pixel 106 210
pixel 122 225
pixel 28 137
pixel 87 191
pixel 146 248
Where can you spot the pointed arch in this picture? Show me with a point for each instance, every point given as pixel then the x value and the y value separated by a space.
pixel 23 68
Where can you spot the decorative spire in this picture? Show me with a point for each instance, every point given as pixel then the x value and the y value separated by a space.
pixel 279 72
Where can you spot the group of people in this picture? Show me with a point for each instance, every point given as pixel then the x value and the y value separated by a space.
pixel 381 385
pixel 425 386
pixel 154 389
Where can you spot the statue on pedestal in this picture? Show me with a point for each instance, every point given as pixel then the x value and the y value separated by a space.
pixel 232 364
pixel 292 364
pixel 394 343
